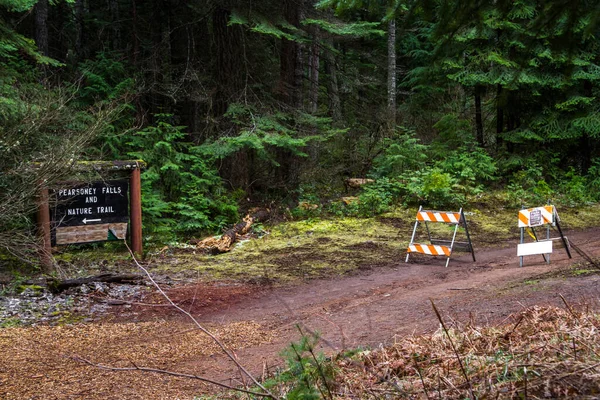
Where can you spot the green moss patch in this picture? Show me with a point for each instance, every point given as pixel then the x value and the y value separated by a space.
pixel 316 247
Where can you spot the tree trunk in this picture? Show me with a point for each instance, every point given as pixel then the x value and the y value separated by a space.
pixel 134 34
pixel 229 56
pixel 79 13
pixel 41 26
pixel 335 109
pixel 291 74
pixel 478 117
pixel 116 24
pixel 165 45
pixel 391 81
pixel 499 117
pixel 314 73
pixel 290 92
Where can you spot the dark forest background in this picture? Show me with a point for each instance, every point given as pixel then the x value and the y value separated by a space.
pixel 238 103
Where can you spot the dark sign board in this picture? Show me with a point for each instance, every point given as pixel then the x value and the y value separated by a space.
pixel 89 212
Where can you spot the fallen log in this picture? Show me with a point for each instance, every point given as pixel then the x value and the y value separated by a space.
pixel 224 243
pixel 57 286
pixel 356 183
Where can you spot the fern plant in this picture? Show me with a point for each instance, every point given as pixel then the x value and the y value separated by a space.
pixel 181 190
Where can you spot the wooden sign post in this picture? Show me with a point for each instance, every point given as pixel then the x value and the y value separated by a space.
pixel 135 198
pixel 43 219
pixel 85 212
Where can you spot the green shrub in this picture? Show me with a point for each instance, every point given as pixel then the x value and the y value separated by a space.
pixel 378 197
pixel 182 192
pixel 401 153
pixel 471 168
pixel 433 188
pixel 453 132
pixel 574 188
pixel 593 179
pixel 528 187
pixel 309 375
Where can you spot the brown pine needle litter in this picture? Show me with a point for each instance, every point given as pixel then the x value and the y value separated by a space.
pixel 542 352
pixel 547 352
pixel 41 362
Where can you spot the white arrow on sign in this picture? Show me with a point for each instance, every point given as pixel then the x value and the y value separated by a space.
pixel 85 220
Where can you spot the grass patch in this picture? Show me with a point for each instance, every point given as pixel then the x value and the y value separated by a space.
pixel 11 322
pixel 583 271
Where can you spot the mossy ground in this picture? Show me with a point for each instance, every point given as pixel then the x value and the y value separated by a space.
pixel 321 247
pixel 316 247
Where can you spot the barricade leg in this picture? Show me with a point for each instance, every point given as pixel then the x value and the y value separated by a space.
pixel 464 220
pixel 536 239
pixel 522 241
pixel 452 243
pixel 412 238
pixel 562 237
pixel 428 232
pixel 548 238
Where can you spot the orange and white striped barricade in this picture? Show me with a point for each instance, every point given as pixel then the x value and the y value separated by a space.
pixel 529 219
pixel 440 247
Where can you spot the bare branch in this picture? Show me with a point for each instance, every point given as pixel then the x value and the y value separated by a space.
pixel 460 363
pixel 171 373
pixel 232 357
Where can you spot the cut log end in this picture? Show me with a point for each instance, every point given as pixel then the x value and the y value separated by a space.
pixel 225 242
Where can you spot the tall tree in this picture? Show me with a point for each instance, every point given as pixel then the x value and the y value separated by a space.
pixel 291 68
pixel 314 64
pixel 391 81
pixel 335 108
pixel 229 60
pixel 41 26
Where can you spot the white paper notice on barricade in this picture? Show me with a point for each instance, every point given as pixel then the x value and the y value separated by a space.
pixel 535 217
pixel 527 249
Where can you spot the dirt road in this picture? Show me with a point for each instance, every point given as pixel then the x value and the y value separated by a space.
pixel 372 307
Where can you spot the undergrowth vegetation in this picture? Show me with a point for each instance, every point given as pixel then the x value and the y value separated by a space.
pixel 409 174
pixel 541 352
pixel 275 105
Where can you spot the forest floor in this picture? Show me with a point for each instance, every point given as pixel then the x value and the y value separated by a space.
pixel 379 302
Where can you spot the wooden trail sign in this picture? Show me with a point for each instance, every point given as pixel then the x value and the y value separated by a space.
pixel 89 212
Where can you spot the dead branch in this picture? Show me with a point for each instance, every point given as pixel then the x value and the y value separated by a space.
pixel 232 357
pixel 57 286
pixel 226 241
pixel 460 363
pixel 170 373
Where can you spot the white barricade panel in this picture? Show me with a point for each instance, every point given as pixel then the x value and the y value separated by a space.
pixel 528 249
pixel 429 249
pixel 439 216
